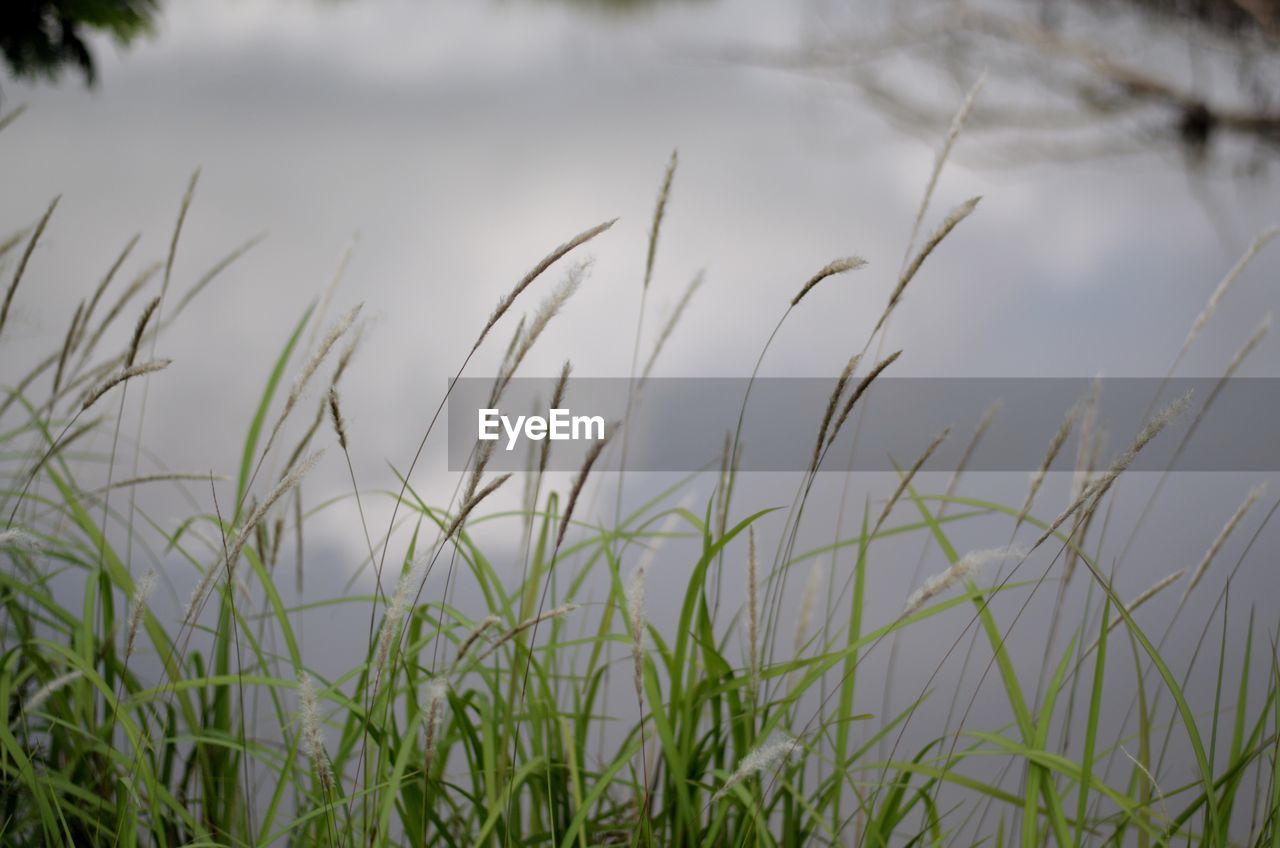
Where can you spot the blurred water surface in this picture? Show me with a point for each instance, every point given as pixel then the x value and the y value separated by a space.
pixel 450 145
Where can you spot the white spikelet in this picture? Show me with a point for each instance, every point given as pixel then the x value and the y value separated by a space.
pixel 93 395
pixel 395 613
pixel 766 757
pixel 635 609
pixel 36 701
pixel 753 606
pixel 551 307
pixel 1220 291
pixel 433 717
pixel 1158 587
pixel 1254 494
pixel 479 631
pixel 1098 487
pixel 138 607
pixel 336 332
pixel 635 599
pixel 19 539
pixel 46 691
pixel 962 569
pixel 953 133
pixel 808 601
pixel 1255 338
pixel 1037 477
pixel 635 594
pixel 286 484
pixel 1087 445
pixel 309 707
pixel 558 612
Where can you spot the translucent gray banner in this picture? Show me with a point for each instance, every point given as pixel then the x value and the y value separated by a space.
pixel 681 424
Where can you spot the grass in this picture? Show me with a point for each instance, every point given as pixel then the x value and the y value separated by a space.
pixel 552 710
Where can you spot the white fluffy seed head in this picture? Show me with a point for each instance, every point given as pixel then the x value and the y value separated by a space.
pixel 1227 529
pixel 312 737
pixel 433 715
pixel 635 609
pixel 437 689
pixel 528 623
pixel 961 570
pixel 753 603
pixel 635 589
pixel 672 320
pixel 635 597
pixel 1088 442
pixel 286 484
pixel 138 607
pixel 1132 607
pixel 1099 486
pixel 1055 446
pixel 1250 343
pixel 1225 284
pixel 635 600
pixel 19 538
pixel 309 707
pixel 395 613
pixel 93 395
pixel 36 701
pixel 807 603
pixel 766 757
pixel 1157 588
pixel 831 269
pixel 479 631
pixel 953 132
pixel 336 332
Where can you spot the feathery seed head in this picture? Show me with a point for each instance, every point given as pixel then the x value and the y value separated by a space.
pixel 19 538
pixel 336 332
pixel 1099 487
pixel 836 266
pixel 766 757
pixel 908 477
pixel 37 700
pixel 659 212
pixel 138 606
pixel 672 320
pixel 476 633
pixel 1055 447
pixel 908 274
pixel 808 602
pixel 121 376
pixel 1225 284
pixel 592 455
pixel 635 600
pixel 858 392
pixel 550 259
pixel 312 736
pixel 335 414
pixel 960 571
pixel 1254 495
pixel 141 328
pixel 753 602
pixel 22 263
pixel 433 718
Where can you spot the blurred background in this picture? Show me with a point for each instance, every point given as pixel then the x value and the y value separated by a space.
pixel 430 153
